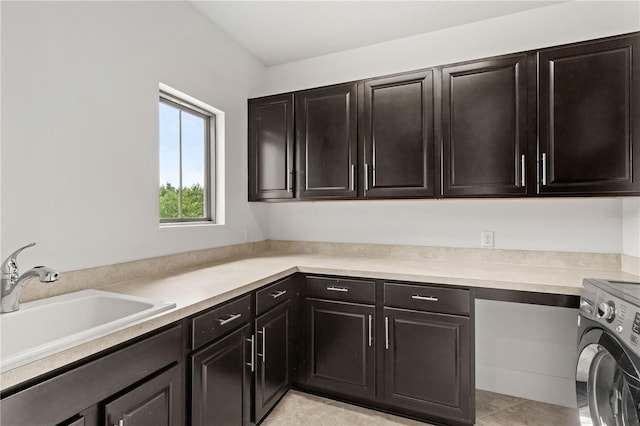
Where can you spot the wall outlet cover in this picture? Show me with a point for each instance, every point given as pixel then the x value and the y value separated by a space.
pixel 487 239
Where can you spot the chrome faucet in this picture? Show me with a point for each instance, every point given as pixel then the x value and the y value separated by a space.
pixel 12 283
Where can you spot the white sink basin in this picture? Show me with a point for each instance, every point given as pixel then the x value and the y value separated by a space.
pixel 46 326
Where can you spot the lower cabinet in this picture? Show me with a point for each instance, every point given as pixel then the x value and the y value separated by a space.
pixel 152 403
pixel 241 366
pixel 427 362
pixel 340 352
pixel 417 361
pixel 273 358
pixel 139 384
pixel 401 347
pixel 221 381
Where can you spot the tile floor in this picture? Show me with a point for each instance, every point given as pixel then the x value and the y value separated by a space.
pixel 492 409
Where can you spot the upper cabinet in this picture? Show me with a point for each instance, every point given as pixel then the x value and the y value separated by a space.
pixel 326 142
pixel 561 121
pixel 271 158
pixel 589 118
pixel 484 128
pixel 397 136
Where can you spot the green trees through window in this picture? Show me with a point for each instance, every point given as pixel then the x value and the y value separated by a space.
pixel 192 201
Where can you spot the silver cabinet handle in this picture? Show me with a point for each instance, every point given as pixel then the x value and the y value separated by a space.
pixel 544 168
pixel 232 317
pixel 278 293
pixel 289 176
pixel 340 289
pixel 366 176
pixel 253 347
pixel 370 332
pixel 386 332
pixel 427 298
pixel 264 345
pixel 353 177
pixel 121 422
pixel 522 170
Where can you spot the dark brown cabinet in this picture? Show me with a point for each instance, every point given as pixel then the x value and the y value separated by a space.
pixel 139 384
pixel 152 403
pixel 221 381
pixel 427 363
pixel 398 136
pixel 242 364
pixel 589 131
pixel 274 358
pixel 326 142
pixel 484 127
pixel 415 357
pixel 400 347
pixel 340 347
pixel 560 121
pixel 428 351
pixel 271 148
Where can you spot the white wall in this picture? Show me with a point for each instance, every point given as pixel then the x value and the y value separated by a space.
pixel 79 136
pixel 542 27
pixel 526 350
pixel 585 225
pixel 630 214
pixel 0 133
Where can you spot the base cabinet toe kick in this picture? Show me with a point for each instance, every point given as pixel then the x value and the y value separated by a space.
pixel 400 347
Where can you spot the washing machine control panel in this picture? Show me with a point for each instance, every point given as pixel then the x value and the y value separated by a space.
pixel 636 324
pixel 620 317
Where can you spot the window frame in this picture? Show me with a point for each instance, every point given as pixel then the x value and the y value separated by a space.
pixel 209 202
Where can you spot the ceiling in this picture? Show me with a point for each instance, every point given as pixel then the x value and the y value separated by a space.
pixel 278 32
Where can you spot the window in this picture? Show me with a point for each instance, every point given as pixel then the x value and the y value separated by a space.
pixel 187 135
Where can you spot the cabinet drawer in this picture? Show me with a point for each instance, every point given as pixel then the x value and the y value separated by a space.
pixel 219 321
pixel 427 298
pixel 274 294
pixel 344 289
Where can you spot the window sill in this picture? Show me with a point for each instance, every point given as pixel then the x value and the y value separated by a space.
pixel 188 224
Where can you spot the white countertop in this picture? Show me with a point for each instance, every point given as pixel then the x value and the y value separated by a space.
pixel 200 288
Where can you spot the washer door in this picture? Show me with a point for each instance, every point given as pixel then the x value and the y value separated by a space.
pixel 607 394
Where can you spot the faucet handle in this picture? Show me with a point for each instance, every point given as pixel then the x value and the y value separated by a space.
pixel 10 265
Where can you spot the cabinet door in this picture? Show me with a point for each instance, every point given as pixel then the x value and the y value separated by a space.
pixel 589 131
pixel 340 351
pixel 157 402
pixel 326 125
pixel 221 381
pixel 397 136
pixel 272 364
pixel 271 148
pixel 427 363
pixel 484 116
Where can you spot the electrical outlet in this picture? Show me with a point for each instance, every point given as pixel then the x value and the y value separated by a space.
pixel 487 238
